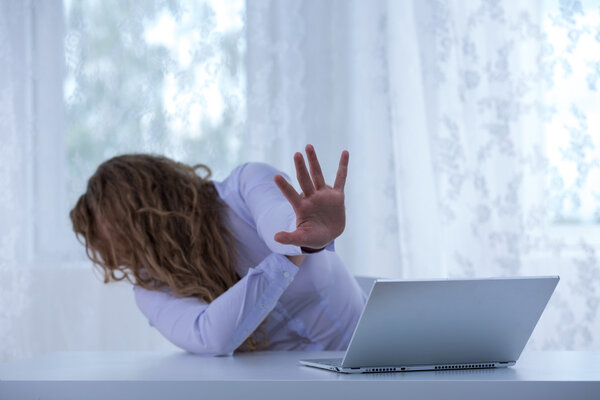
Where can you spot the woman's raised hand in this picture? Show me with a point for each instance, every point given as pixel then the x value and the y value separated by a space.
pixel 320 211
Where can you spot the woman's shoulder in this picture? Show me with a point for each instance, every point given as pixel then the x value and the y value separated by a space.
pixel 256 172
pixel 246 176
pixel 248 171
pixel 252 168
pixel 245 179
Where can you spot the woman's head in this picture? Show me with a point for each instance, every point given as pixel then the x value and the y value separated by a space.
pixel 156 223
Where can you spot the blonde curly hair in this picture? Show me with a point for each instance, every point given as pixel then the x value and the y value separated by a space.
pixel 156 223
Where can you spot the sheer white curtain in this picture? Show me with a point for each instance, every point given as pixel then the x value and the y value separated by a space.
pixel 15 169
pixel 46 304
pixel 317 73
pixel 350 75
pixel 442 107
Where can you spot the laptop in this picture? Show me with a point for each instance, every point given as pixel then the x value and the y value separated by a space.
pixel 444 324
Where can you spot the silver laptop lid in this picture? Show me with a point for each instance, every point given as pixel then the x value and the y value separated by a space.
pixel 448 321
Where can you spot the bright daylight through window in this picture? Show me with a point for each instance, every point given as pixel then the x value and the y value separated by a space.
pixel 153 76
pixel 572 123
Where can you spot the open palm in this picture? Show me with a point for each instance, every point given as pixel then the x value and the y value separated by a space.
pixel 320 211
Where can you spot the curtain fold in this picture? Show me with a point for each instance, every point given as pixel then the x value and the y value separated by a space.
pixel 326 86
pixel 416 182
pixel 16 235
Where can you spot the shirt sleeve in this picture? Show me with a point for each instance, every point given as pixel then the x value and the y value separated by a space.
pixel 223 325
pixel 269 208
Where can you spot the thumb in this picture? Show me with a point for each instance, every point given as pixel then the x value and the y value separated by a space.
pixel 287 238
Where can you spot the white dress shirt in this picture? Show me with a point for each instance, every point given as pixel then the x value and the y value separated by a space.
pixel 315 306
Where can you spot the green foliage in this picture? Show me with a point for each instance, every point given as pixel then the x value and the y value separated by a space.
pixel 127 93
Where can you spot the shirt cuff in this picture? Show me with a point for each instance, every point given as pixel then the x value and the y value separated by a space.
pixel 330 247
pixel 279 269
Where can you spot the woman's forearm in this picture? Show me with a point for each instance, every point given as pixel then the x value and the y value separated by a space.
pixel 221 326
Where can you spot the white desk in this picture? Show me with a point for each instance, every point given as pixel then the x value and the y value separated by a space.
pixel 277 375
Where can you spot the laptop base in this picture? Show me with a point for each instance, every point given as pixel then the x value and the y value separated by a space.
pixel 336 365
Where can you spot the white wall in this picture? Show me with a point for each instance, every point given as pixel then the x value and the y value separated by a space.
pixel 73 310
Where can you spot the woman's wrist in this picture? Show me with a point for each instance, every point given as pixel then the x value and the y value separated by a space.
pixel 296 260
pixel 310 250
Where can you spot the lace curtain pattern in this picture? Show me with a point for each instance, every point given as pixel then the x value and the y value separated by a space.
pixel 446 108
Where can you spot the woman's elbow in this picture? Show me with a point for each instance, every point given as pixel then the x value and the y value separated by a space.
pixel 217 350
pixel 203 346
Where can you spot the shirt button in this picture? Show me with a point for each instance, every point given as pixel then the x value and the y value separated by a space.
pixel 262 305
pixel 307 341
pixel 286 274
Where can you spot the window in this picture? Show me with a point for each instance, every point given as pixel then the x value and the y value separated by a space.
pixel 151 76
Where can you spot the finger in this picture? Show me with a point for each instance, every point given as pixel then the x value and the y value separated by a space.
pixel 315 168
pixel 340 179
pixel 302 174
pixel 288 190
pixel 295 238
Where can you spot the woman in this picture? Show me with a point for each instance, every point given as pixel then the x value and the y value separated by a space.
pixel 246 263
